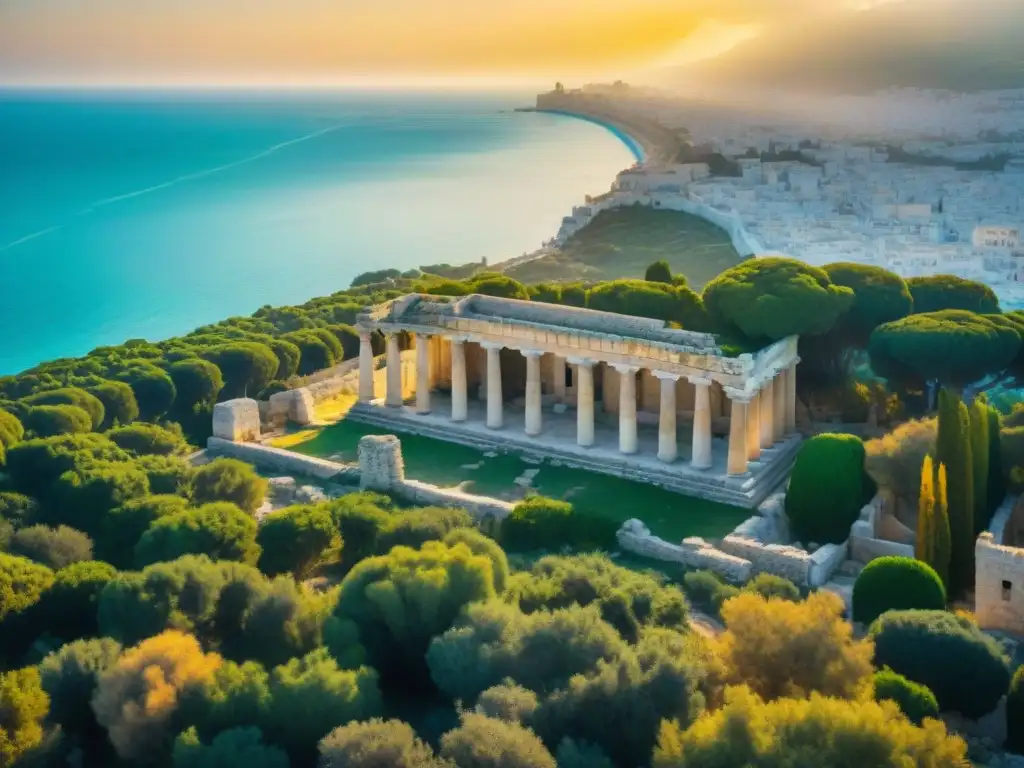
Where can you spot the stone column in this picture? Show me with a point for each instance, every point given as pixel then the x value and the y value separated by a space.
pixel 495 407
pixel 627 408
pixel 394 372
pixel 558 371
pixel 791 397
pixel 584 401
pixel 460 400
pixel 668 447
pixel 767 413
pixel 738 431
pixel 701 453
pixel 365 367
pixel 754 427
pixel 422 373
pixel 534 419
pixel 779 406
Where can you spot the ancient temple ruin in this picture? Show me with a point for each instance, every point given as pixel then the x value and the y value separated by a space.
pixel 614 393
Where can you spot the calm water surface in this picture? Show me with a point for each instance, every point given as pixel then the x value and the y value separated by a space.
pixel 143 216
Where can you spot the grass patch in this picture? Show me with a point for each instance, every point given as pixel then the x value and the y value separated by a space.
pixel 622 242
pixel 669 515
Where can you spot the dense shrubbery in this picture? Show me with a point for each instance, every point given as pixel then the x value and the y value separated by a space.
pixel 821 730
pixel 914 700
pixel 567 660
pixel 896 583
pixel 827 489
pixel 53 547
pixel 541 523
pixel 229 480
pixel 707 591
pixel 781 648
pixel 963 667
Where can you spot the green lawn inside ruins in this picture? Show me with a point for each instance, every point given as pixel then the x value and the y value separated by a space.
pixel 669 515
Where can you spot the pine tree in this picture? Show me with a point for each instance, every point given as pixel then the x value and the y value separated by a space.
pixel 925 547
pixel 954 451
pixel 941 539
pixel 979 460
pixel 996 484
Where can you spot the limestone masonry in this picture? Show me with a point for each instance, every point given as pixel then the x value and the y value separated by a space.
pixel 607 375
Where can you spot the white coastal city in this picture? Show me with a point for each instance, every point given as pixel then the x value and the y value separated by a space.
pixel 918 182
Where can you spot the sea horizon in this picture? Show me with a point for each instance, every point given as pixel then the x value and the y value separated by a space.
pixel 145 214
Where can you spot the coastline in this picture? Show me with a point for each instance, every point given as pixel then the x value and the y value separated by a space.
pixel 637 144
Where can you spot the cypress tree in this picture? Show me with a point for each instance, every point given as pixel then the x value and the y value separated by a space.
pixel 954 451
pixel 996 484
pixel 925 546
pixel 941 539
pixel 979 460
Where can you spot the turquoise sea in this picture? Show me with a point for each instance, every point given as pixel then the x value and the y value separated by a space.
pixel 127 215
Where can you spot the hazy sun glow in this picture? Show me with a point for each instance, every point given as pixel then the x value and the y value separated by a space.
pixel 205 42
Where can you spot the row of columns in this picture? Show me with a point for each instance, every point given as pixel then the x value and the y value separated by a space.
pixel 762 418
pixel 759 419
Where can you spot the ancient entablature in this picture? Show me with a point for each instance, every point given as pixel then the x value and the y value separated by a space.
pixel 564 357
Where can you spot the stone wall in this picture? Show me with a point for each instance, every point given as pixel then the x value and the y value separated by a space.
pixel 636 537
pixel 382 468
pixel 480 507
pixel 864 550
pixel 281 461
pixel 999 577
pixel 757 545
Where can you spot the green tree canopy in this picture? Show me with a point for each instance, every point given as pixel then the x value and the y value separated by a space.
pixel 936 293
pixel 119 403
pixel 659 301
pixel 22 582
pixel 198 382
pixel 953 347
pixel 72 396
pixel 376 744
pixel 123 526
pixel 398 602
pixel 53 547
pixel 879 296
pixel 772 298
pixel 247 367
pixel 68 608
pixel 659 272
pixel 219 530
pixel 540 651
pixel 827 489
pixel 148 439
pixel 294 539
pixel 52 420
pixel 35 466
pixel 154 391
pixel 23 705
pixel 229 480
pixel 69 677
pixel 414 527
pixel 167 474
pixel 311 696
pixel 229 749
pixel 896 583
pixel 965 668
pixel 788 732
pixel 483 742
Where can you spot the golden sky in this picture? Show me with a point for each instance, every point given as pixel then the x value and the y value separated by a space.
pixel 324 41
